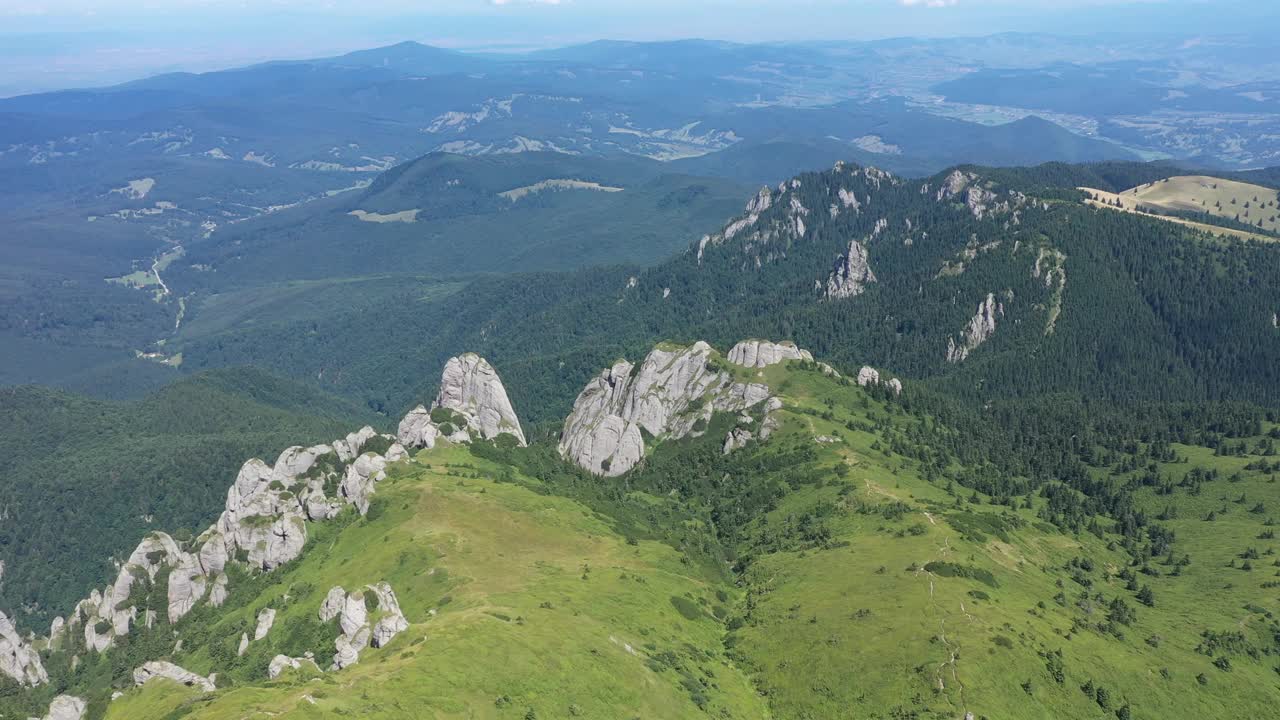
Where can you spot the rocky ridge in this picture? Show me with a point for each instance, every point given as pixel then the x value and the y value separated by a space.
pixel 18 659
pixel 264 525
pixel 980 329
pixel 672 394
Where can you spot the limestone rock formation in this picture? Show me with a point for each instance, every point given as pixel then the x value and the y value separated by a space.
pixel 266 618
pixel 673 393
pixel 263 525
pixel 851 274
pixel 471 403
pixel 870 376
pixel 362 477
pixel 352 614
pixel 471 387
pixel 980 328
pixel 762 353
pixel 280 663
pixel 160 669
pixel 18 660
pixel 66 707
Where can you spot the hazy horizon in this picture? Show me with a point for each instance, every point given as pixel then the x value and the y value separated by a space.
pixel 85 43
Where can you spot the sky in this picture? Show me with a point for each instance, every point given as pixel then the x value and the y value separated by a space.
pixel 48 44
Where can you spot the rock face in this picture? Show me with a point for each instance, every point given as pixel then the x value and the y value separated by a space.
pixel 762 353
pixel 266 619
pixel 671 394
pixel 263 526
pixel 159 669
pixel 980 328
pixel 471 387
pixel 66 707
pixel 362 477
pixel 352 614
pixel 18 659
pixel 870 376
pixel 472 403
pixel 851 274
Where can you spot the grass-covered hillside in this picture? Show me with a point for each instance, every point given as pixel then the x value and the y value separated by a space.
pixel 82 480
pixel 877 556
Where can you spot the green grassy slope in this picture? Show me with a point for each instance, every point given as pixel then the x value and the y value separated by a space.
pixel 521 605
pixel 844 568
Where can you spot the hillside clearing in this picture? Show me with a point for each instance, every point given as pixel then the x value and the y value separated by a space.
pixel 520 192
pixel 1127 203
pixel 404 216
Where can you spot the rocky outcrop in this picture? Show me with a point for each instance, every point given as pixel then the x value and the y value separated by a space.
pixel 263 526
pixel 66 707
pixel 361 479
pixel 748 430
pixel 763 353
pixel 280 663
pixel 18 660
pixel 472 403
pixel 869 376
pixel 159 669
pixel 980 328
pixel 353 618
pixel 672 394
pixel 851 274
pixel 266 618
pixel 471 387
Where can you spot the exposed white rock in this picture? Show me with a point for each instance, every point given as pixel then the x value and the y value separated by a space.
pixel 244 645
pixel 349 447
pixel 186 586
pixel 354 614
pixel 56 630
pixel 867 376
pixel 18 660
pixel 672 392
pixel 353 620
pixel 416 429
pixel 362 476
pixel 737 439
pixel 851 274
pixel 470 386
pixel 763 353
pixel 956 182
pixel 161 669
pixel 333 603
pixel 218 594
pixel 980 328
pixel 266 619
pixel 476 403
pixel 392 621
pixel 66 707
pixel 280 663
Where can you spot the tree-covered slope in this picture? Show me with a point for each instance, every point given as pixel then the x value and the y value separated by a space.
pixel 82 480
pixel 445 214
pixel 1082 300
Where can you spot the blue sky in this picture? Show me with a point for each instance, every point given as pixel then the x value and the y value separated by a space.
pixel 55 43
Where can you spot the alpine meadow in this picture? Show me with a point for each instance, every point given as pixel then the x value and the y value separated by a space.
pixel 920 361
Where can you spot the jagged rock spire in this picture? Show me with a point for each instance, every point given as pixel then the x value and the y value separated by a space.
pixel 472 403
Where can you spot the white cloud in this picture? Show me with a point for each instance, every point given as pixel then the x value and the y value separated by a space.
pixel 928 3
